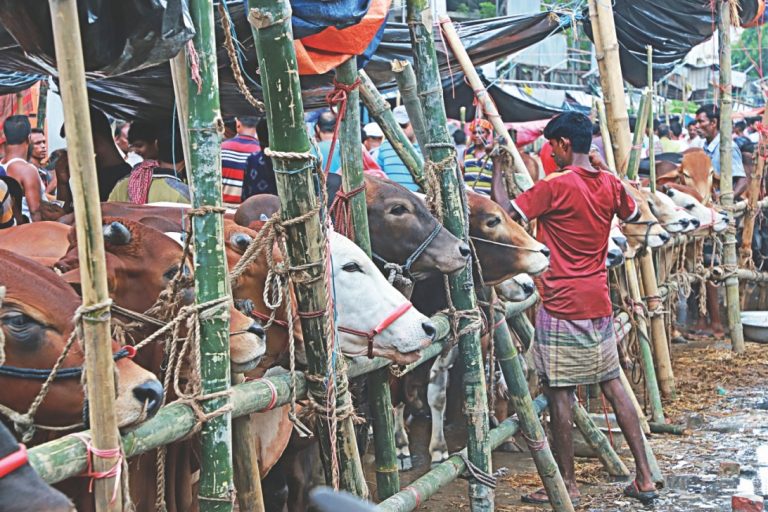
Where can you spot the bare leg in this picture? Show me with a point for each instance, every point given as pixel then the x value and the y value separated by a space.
pixel 630 427
pixel 561 417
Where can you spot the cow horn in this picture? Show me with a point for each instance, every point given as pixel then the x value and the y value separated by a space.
pixel 117 234
pixel 241 240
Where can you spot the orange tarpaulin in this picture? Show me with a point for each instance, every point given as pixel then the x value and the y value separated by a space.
pixel 322 52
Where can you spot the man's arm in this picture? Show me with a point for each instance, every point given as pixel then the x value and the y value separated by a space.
pixel 739 186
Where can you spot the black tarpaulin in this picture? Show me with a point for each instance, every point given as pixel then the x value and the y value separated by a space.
pixel 671 27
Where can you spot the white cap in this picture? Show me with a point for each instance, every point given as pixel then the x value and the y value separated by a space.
pixel 401 115
pixel 373 130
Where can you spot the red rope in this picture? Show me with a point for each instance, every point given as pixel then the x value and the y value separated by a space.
pixel 115 471
pixel 338 96
pixel 341 213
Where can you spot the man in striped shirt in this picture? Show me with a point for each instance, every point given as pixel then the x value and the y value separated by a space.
pixel 234 153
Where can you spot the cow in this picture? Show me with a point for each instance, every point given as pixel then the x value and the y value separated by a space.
pixel 695 170
pixel 688 199
pixel 646 231
pixel 673 218
pixel 49 241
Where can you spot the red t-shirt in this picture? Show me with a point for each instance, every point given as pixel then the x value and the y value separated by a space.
pixel 574 209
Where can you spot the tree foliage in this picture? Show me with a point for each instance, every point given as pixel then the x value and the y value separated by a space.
pixel 747 50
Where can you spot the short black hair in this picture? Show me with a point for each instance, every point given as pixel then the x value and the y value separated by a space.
pixel 169 147
pixel 326 121
pixel 676 128
pixel 16 129
pixel 248 121
pixel 741 125
pixel 37 130
pixel 459 137
pixel 573 126
pixel 712 112
pixel 262 133
pixel 692 123
pixel 663 130
pixel 656 124
pixel 142 130
pixel 100 124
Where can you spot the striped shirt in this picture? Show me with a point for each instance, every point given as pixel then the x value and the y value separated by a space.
pixel 394 168
pixel 478 172
pixel 234 154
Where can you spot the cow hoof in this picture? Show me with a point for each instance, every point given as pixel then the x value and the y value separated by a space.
pixel 405 462
pixel 439 456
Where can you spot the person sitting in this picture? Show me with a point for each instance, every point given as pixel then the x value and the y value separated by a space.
pixel 17 130
pixel 478 167
pixel 159 182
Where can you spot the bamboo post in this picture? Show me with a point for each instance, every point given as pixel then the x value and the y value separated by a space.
pixel 181 95
pixel 520 397
pixel 651 383
pixel 520 180
pixel 97 338
pixel 635 403
pixel 610 159
pixel 245 462
pixel 406 84
pixel 273 38
pixel 755 183
pixel 387 477
pixel 382 113
pixel 42 103
pixel 599 442
pixel 211 282
pixel 654 304
pixel 637 140
pixel 440 154
pixel 611 80
pixel 651 146
pixel 726 183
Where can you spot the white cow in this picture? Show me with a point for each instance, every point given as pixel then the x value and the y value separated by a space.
pixel 708 218
pixel 674 218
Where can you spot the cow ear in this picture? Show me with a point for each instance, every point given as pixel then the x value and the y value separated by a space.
pixel 73 278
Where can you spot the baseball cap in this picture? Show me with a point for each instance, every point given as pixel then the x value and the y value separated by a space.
pixel 373 130
pixel 401 115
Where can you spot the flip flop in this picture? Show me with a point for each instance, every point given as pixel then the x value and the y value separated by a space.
pixel 534 500
pixel 633 491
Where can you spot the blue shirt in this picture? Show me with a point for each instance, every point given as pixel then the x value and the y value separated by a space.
pixel 325 148
pixel 713 150
pixel 394 168
pixel 259 176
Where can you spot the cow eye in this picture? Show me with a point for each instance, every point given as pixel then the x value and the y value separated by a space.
pixel 352 267
pixel 22 327
pixel 398 210
pixel 17 320
pixel 171 272
pixel 493 222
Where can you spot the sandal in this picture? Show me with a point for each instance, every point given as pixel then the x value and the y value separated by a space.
pixel 645 497
pixel 540 498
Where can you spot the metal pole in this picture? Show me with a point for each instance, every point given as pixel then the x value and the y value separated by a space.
pixel 97 339
pixel 726 183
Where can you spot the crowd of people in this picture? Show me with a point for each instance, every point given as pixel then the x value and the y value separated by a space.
pixel 142 162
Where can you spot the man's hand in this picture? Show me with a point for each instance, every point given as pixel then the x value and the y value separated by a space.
pixel 596 160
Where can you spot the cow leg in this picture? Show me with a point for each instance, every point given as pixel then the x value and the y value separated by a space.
pixel 274 487
pixel 401 439
pixel 437 393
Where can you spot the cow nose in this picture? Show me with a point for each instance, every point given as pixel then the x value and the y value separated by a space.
pixel 257 329
pixel 465 250
pixel 684 223
pixel 664 236
pixel 151 394
pixel 528 288
pixel 615 254
pixel 429 329
pixel 695 223
pixel 621 242
pixel 545 251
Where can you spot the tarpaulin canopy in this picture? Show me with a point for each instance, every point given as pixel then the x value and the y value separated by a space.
pixel 672 28
pixel 147 93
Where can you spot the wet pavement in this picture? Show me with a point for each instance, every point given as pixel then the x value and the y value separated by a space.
pixel 727 422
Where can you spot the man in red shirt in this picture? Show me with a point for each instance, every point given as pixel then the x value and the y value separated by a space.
pixel 575 343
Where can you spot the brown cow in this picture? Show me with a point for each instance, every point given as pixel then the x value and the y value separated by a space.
pixel 696 171
pixel 44 242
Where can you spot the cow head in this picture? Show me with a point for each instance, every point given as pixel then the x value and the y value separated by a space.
pixel 708 217
pixel 503 247
pixel 36 317
pixel 672 217
pixel 617 245
pixel 517 288
pixel 696 171
pixel 646 231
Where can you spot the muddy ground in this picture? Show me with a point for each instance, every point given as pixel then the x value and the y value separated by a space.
pixel 721 398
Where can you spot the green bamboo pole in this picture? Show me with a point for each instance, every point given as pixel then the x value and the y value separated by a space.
pixel 637 138
pixel 440 149
pixel 406 84
pixel 610 159
pixel 651 148
pixel 426 486
pixel 380 110
pixel 661 356
pixel 95 324
pixel 726 184
pixel 245 462
pixel 599 442
pixel 211 283
pixel 273 37
pixel 520 398
pixel 387 477
pixel 42 103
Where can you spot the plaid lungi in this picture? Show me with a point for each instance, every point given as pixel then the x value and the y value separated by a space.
pixel 574 352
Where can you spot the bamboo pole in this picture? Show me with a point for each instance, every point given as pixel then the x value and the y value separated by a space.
pixel 273 37
pixel 661 355
pixel 637 140
pixel 520 180
pixel 406 84
pixel 651 145
pixel 387 477
pixel 427 485
pixel 599 442
pixel 382 113
pixel 726 184
pixel 42 103
pixel 211 283
pixel 611 81
pixel 651 383
pixel 755 183
pixel 181 95
pixel 97 338
pixel 245 462
pixel 440 153
pixel 610 159
pixel 520 398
